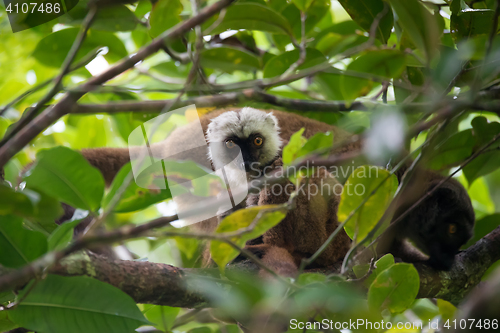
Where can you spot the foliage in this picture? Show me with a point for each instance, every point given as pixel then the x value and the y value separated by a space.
pixel 422 57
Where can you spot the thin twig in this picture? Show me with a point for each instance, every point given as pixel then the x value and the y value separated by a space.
pixel 183 58
pixel 302 48
pixel 157 77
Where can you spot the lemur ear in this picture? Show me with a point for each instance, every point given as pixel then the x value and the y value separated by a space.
pixel 445 195
pixel 271 119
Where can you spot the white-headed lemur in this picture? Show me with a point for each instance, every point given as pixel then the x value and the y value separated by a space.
pixel 305 228
pixel 254 134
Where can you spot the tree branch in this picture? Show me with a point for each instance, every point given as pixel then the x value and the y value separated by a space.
pixel 220 100
pixel 162 284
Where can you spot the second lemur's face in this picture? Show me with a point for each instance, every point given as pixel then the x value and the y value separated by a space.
pixel 252 132
pixel 449 224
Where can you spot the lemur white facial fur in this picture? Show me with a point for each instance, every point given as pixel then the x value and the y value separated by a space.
pixel 256 133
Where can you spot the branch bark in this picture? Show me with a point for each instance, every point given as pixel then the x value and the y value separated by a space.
pixel 161 284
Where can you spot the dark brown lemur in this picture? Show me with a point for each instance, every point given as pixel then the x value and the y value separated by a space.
pixel 436 213
pixel 438 227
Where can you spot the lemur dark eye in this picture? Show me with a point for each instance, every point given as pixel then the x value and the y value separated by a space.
pixel 230 144
pixel 258 141
pixel 452 228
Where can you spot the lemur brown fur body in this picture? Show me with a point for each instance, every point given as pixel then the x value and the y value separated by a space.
pixel 307 226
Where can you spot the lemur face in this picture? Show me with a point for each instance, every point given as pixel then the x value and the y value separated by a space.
pixel 446 225
pixel 252 132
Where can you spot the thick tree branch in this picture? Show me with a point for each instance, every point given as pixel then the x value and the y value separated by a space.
pixel 162 284
pixel 449 108
pixel 482 304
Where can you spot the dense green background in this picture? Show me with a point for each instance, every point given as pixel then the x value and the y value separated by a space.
pixel 420 48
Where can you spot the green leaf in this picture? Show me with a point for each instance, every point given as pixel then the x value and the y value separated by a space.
pixel 172 69
pixel 299 146
pixel 483 227
pixel 329 84
pixel 52 49
pixel 134 198
pixel 479 194
pixel 115 18
pixel 47 209
pixel 416 78
pixel 66 175
pixel 229 59
pixel 14 202
pixel 165 14
pixel 317 9
pixel 386 63
pixel 471 22
pixel 63 235
pixel 309 278
pixel 454 150
pixel 423 28
pixel 38 207
pixel 485 131
pixel 19 245
pixel 362 182
pixel 279 64
pixel 318 142
pixel 395 288
pixel 294 145
pixel 141 36
pixel 91 132
pixel 252 16
pixel 95 307
pixel 380 265
pixel 143 7
pixel 302 5
pixel 364 13
pixel 162 317
pixel 6 325
pixel 446 310
pixel 344 28
pixel 188 246
pixel 489 160
pixel 222 253
pixel 332 43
